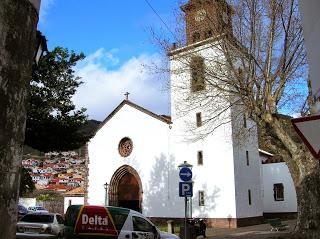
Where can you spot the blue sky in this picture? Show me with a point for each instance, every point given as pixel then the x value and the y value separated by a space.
pixel 115 37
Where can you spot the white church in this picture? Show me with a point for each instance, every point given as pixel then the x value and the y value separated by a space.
pixel 134 155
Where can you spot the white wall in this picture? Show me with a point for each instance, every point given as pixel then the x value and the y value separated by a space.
pixel 224 177
pixel 150 158
pixel 247 177
pixel 278 173
pixel 28 202
pixel 74 201
pixel 216 176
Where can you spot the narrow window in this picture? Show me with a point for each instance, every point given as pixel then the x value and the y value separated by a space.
pixel 197 74
pixel 244 121
pixel 201 198
pixel 196 37
pixel 208 34
pixel 249 196
pixel 278 192
pixel 200 158
pixel 199 119
pixel 247 158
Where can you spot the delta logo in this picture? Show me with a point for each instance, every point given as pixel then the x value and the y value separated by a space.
pixel 95 220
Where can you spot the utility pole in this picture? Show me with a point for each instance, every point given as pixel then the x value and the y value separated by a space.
pixel 18 25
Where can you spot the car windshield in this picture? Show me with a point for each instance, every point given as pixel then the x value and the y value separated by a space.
pixel 37 218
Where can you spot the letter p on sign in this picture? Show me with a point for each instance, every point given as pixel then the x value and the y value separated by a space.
pixel 185 189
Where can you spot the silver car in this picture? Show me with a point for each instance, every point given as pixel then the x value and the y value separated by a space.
pixel 40 225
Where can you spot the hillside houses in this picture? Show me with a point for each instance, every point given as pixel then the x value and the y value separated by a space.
pixel 55 171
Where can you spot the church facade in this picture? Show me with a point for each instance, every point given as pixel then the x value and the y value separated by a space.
pixel 134 155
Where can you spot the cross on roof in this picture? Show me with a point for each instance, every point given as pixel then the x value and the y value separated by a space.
pixel 127 95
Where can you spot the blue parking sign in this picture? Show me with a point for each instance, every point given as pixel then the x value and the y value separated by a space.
pixel 185 189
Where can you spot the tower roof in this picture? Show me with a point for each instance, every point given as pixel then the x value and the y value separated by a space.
pixel 206 19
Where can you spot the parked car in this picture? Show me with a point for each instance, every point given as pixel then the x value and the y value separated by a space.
pixel 110 222
pixel 37 209
pixel 40 225
pixel 22 210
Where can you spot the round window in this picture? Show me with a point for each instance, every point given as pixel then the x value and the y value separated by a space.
pixel 125 147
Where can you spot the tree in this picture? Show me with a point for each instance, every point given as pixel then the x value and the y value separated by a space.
pixel 258 68
pixel 53 124
pixel 26 183
pixel 18 21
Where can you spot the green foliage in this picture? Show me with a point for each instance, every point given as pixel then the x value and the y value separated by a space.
pixel 26 183
pixel 53 124
pixel 49 197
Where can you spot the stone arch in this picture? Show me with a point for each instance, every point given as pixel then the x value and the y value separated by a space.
pixel 125 188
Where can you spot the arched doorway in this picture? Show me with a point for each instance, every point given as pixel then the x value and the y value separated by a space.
pixel 125 189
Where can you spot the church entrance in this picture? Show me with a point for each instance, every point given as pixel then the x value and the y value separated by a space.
pixel 128 192
pixel 125 189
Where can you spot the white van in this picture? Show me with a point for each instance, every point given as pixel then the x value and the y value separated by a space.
pixel 110 222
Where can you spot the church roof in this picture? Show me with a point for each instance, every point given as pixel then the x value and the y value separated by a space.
pixel 164 118
pixel 75 192
pixel 270 158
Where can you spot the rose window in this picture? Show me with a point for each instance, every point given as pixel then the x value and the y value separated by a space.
pixel 125 147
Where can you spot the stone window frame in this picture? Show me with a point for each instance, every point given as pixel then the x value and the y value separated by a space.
pixel 197 70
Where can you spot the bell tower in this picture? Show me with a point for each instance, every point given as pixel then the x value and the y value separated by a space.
pixel 206 19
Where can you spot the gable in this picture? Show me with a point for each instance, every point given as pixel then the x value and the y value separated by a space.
pixel 162 118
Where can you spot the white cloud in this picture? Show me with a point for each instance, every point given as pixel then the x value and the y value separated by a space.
pixel 104 86
pixel 45 5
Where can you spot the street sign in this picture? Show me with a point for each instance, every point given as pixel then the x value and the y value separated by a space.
pixel 308 129
pixel 185 189
pixel 185 174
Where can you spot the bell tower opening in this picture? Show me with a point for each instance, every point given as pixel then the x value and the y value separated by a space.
pixel 206 19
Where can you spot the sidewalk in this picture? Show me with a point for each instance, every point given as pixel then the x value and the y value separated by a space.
pixel 261 231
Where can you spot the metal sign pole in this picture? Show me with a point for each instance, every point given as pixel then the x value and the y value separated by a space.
pixel 185 189
pixel 185 217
